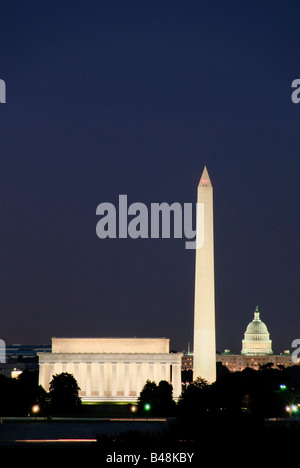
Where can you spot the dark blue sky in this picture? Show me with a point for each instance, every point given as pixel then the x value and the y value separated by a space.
pixel 128 97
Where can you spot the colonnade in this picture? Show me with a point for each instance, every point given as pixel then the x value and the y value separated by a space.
pixel 119 379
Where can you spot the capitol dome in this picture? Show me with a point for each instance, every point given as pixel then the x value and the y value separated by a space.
pixel 257 338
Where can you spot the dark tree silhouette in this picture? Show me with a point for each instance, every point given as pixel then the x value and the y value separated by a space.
pixel 64 394
pixel 159 397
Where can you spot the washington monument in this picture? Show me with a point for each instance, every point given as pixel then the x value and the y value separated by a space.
pixel 204 365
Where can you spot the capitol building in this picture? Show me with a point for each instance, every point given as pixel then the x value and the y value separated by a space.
pixel 257 338
pixel 256 349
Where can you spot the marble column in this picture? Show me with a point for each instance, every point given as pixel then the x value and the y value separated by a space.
pixel 101 379
pixel 126 379
pixel 151 371
pixel 138 378
pixel 113 379
pixel 163 372
pixel 88 379
pixel 42 375
pixel 176 379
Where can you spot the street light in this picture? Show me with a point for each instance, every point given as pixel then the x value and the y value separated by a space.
pixel 133 408
pixel 35 409
pixel 147 407
pixel 292 408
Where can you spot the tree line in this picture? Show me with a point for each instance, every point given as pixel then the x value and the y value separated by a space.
pixel 23 396
pixel 251 394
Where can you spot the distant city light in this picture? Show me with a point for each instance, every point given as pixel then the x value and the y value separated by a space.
pixel 292 408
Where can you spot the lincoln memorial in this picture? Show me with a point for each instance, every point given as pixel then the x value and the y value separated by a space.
pixel 112 369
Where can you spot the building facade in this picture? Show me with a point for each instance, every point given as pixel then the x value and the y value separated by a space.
pixel 17 358
pixel 112 369
pixel 238 362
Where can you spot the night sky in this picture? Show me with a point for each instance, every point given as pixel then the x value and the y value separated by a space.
pixel 136 97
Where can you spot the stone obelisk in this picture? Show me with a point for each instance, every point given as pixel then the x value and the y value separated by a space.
pixel 204 364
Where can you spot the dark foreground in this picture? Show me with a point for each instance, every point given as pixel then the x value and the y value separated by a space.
pixel 146 442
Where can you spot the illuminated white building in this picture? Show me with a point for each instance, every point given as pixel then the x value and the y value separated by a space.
pixel 112 369
pixel 256 349
pixel 257 338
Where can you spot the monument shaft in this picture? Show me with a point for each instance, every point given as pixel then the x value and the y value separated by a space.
pixel 204 364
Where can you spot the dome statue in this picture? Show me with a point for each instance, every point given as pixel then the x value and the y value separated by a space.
pixel 257 338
